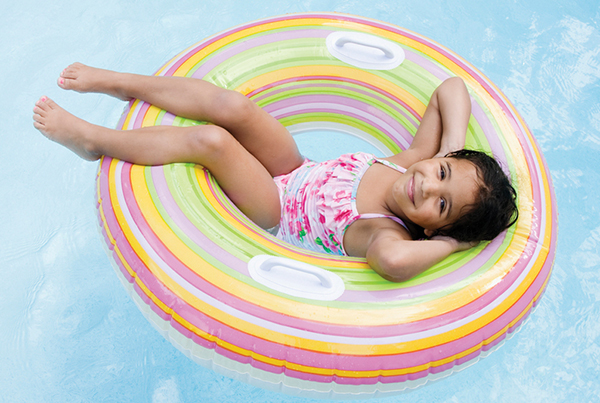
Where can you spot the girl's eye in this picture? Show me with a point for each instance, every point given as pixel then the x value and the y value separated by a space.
pixel 442 205
pixel 442 173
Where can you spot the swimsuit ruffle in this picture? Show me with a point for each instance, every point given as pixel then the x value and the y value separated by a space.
pixel 318 202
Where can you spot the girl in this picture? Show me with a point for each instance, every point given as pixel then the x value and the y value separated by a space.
pixel 357 205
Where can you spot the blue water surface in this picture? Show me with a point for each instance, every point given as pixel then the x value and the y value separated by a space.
pixel 68 330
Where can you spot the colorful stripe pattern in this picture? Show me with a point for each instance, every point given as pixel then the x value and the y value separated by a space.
pixel 181 247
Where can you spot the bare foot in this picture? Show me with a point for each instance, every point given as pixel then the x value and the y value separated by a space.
pixel 64 128
pixel 82 78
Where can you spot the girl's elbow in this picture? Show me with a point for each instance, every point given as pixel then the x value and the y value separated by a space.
pixel 454 81
pixel 394 268
pixel 396 277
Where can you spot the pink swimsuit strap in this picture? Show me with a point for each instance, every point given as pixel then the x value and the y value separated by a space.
pixel 373 215
pixel 389 164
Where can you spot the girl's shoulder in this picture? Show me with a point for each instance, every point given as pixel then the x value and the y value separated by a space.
pixel 405 158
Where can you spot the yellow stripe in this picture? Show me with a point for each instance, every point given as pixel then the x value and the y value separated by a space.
pixel 151 116
pixel 132 108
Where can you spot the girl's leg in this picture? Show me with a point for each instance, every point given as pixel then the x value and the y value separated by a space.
pixel 241 176
pixel 261 134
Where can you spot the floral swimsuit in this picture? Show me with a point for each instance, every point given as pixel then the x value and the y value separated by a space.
pixel 318 201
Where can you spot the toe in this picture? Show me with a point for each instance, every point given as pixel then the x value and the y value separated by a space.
pixel 41 102
pixel 46 104
pixel 50 103
pixel 67 82
pixel 38 111
pixel 64 82
pixel 66 77
pixel 38 118
pixel 71 71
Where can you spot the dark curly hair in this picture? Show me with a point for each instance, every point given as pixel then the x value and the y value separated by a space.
pixel 495 207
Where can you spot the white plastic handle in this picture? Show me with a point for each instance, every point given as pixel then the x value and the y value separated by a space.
pixel 297 266
pixel 364 50
pixel 387 51
pixel 282 274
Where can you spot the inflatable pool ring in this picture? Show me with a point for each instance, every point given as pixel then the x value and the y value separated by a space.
pixel 236 299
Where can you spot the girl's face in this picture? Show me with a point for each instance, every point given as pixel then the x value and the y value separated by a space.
pixel 432 193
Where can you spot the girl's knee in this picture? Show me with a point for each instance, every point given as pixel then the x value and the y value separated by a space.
pixel 209 140
pixel 233 107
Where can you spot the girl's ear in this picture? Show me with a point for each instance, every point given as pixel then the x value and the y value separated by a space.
pixel 429 233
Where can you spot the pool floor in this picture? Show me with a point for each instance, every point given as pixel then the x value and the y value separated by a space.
pixel 70 333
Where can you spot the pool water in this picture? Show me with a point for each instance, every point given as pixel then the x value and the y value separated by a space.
pixel 70 333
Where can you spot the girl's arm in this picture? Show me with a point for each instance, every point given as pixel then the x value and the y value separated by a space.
pixel 444 124
pixel 454 106
pixel 397 259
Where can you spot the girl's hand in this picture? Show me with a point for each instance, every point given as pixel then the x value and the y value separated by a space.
pixel 450 143
pixel 444 125
pixel 457 246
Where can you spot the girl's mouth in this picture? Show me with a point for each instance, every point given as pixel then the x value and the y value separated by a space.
pixel 410 189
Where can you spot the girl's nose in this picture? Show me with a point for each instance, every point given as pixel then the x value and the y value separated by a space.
pixel 430 188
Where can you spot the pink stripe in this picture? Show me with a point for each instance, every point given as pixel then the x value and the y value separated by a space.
pixel 167 119
pixel 427 64
pixel 393 135
pixel 127 252
pixel 139 117
pixel 124 115
pixel 216 38
pixel 491 134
